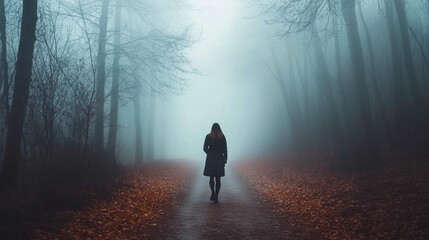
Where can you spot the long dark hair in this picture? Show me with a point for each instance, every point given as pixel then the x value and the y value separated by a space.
pixel 216 132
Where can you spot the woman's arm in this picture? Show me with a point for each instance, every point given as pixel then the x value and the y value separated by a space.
pixel 206 145
pixel 225 151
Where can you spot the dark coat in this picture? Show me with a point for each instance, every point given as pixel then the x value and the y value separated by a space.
pixel 216 156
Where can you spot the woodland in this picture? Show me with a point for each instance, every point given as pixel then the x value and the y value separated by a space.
pixel 354 85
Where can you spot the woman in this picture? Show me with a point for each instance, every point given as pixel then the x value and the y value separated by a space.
pixel 215 148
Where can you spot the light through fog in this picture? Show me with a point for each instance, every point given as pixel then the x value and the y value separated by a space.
pixel 272 91
pixel 233 88
pixel 105 107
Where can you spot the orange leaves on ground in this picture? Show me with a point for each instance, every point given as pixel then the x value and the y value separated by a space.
pixel 390 203
pixel 140 200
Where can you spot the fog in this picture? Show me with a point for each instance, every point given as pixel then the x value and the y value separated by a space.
pixel 136 81
pixel 238 44
pixel 233 88
pixel 107 112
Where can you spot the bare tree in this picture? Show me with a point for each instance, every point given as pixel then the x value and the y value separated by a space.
pixel 281 80
pixel 4 67
pixel 101 77
pixel 114 99
pixel 150 148
pixel 331 116
pixel 396 56
pixel 355 47
pixel 138 125
pixel 406 48
pixel 9 171
pixel 66 72
pixel 297 17
pixel 375 84
pixel 340 77
pixel 142 64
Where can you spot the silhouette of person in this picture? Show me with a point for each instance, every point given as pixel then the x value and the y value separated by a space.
pixel 215 148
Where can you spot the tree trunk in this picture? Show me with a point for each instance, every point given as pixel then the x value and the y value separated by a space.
pixel 138 122
pixel 422 51
pixel 330 115
pixel 287 100
pixel 367 139
pixel 398 72
pixel 378 97
pixel 4 68
pixel 406 48
pixel 293 90
pixel 151 127
pixel 295 103
pixel 114 99
pixel 101 78
pixel 340 79
pixel 9 171
pixel 305 109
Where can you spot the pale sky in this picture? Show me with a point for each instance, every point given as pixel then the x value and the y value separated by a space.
pixel 232 89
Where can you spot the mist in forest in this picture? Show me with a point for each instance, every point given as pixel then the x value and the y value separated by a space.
pixel 135 81
pixel 272 88
pixel 233 87
pixel 105 106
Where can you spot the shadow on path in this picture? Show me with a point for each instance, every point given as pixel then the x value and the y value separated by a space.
pixel 237 215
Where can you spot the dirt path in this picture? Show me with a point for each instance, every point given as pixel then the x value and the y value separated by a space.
pixel 237 215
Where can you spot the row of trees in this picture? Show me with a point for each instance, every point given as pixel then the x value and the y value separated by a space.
pixel 356 102
pixel 89 59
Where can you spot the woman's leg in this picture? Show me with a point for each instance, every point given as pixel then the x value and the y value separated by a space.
pixel 217 185
pixel 211 184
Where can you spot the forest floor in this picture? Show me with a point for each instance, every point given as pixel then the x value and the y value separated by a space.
pixel 287 197
pixel 237 215
pixel 128 208
pixel 389 203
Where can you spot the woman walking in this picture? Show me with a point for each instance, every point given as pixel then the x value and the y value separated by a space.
pixel 215 148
